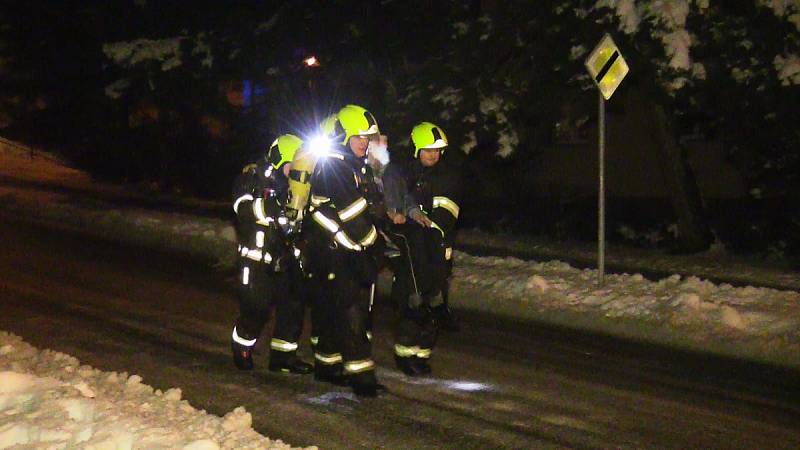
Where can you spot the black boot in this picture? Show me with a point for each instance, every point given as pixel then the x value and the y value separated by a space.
pixel 365 384
pixel 421 365
pixel 292 364
pixel 330 374
pixel 445 319
pixel 242 356
pixel 407 365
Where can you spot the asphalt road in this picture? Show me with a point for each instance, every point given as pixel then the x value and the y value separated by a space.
pixel 496 384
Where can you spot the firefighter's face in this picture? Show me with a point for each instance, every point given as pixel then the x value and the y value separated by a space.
pixel 359 145
pixel 286 168
pixel 428 157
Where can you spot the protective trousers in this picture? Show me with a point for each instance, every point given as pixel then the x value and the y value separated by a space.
pixel 341 308
pixel 259 290
pixel 421 269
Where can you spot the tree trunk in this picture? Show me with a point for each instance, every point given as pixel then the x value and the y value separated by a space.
pixel 694 234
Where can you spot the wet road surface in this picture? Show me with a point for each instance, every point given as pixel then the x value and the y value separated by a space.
pixel 496 384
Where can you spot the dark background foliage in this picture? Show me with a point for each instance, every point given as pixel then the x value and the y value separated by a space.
pixel 496 75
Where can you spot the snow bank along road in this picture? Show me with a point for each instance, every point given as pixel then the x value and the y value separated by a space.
pixel 49 400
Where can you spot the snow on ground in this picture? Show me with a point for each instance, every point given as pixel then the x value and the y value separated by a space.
pixel 714 263
pixel 697 309
pixel 48 400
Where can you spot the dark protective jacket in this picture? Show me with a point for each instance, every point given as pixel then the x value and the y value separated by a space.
pixel 436 191
pixel 371 189
pixel 340 186
pixel 258 195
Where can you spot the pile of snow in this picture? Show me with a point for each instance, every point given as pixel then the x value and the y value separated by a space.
pixel 685 305
pixel 49 400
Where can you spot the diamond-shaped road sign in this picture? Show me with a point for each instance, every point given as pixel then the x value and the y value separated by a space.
pixel 606 66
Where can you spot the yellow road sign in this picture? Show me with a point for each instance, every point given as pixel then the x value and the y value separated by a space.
pixel 606 66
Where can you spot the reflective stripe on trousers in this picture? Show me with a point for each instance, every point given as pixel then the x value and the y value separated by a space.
pixel 404 351
pixel 282 346
pixel 359 366
pixel 240 340
pixel 328 360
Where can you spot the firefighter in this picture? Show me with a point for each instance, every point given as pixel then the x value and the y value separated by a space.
pixel 434 189
pixel 269 275
pixel 342 242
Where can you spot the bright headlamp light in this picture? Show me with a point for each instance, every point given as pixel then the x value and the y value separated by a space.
pixel 319 145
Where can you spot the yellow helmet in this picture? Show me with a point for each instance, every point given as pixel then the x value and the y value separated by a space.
pixel 328 126
pixel 356 121
pixel 283 149
pixel 427 135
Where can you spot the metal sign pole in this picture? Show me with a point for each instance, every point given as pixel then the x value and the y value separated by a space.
pixel 601 195
pixel 607 68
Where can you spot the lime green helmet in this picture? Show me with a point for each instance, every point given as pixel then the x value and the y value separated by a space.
pixel 283 149
pixel 356 121
pixel 427 135
pixel 329 125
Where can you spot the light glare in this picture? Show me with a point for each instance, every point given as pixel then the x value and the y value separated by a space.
pixel 468 386
pixel 319 145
